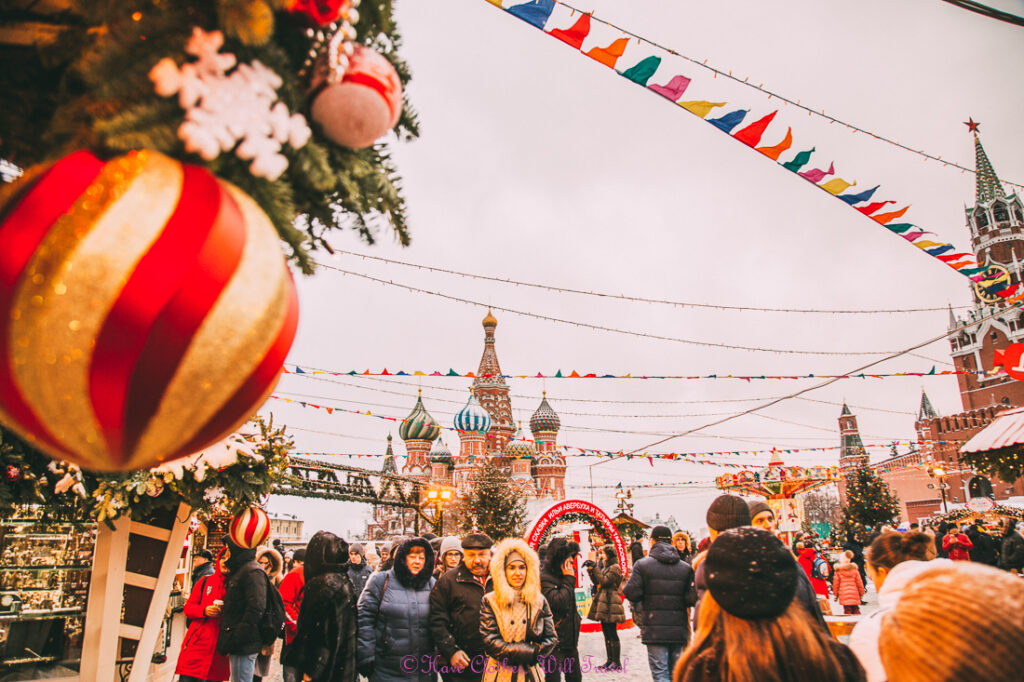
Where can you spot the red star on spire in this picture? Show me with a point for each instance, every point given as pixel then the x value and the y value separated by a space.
pixel 972 125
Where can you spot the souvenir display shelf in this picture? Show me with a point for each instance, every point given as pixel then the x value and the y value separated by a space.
pixel 44 582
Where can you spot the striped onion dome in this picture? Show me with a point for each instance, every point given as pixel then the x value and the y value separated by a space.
pixel 473 418
pixel 545 419
pixel 440 454
pixel 419 425
pixel 520 448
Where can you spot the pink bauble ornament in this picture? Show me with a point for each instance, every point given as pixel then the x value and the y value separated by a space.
pixel 365 105
pixel 13 473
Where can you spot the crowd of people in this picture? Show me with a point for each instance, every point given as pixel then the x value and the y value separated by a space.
pixel 741 606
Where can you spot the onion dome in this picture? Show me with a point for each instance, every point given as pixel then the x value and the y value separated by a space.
pixel 490 320
pixel 440 454
pixel 545 419
pixel 520 448
pixel 419 425
pixel 473 418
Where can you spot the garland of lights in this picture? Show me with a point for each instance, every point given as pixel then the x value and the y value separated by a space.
pixel 596 530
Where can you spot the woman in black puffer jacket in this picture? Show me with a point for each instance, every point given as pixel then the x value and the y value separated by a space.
pixel 324 647
pixel 558 585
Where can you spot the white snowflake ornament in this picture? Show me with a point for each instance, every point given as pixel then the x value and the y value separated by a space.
pixel 239 111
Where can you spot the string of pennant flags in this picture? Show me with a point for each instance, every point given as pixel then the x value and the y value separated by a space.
pixel 755 130
pixel 573 451
pixel 574 374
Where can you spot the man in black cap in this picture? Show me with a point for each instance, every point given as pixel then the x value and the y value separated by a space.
pixel 202 565
pixel 661 587
pixel 725 512
pixel 455 611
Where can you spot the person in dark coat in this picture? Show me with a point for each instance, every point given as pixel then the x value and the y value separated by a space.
pixel 940 532
pixel 636 550
pixel 1011 556
pixel 202 565
pixel 199 660
pixel 752 627
pixel 854 545
pixel 984 550
pixel 358 570
pixel 385 556
pixel 558 585
pixel 394 612
pixel 324 648
pixel 606 607
pixel 662 585
pixel 245 600
pixel 455 611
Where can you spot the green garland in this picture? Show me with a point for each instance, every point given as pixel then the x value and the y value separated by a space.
pixel 90 89
pixel 999 510
pixel 596 528
pixel 62 492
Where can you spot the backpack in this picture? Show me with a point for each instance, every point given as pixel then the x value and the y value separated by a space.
pixel 820 569
pixel 272 620
pixel 201 585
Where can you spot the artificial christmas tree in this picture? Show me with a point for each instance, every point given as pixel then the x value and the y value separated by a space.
pixel 492 505
pixel 869 502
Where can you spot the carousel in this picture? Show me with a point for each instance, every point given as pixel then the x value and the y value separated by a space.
pixel 780 484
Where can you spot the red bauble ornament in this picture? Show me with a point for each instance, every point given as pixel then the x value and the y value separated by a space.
pixel 12 473
pixel 365 105
pixel 145 309
pixel 250 528
pixel 322 12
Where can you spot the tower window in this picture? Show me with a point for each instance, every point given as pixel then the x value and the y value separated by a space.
pixel 1000 213
pixel 994 336
pixel 981 220
pixel 1017 214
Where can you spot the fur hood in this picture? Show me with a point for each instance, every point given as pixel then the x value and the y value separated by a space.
pixel 503 592
pixel 276 562
pixel 402 573
pixel 559 550
pixel 325 553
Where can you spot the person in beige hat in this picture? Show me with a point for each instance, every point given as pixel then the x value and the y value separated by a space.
pixel 956 623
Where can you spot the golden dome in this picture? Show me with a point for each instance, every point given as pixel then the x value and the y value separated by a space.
pixel 490 320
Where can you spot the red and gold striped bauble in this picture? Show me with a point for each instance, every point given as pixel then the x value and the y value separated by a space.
pixel 250 529
pixel 145 309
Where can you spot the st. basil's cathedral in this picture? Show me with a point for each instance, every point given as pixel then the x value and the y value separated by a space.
pixel 486 431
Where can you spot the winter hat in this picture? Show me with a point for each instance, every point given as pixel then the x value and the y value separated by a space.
pixel 205 554
pixel 385 547
pixel 299 555
pixel 703 544
pixel 917 643
pixel 477 541
pixel 325 553
pixel 661 533
pixel 514 556
pixel 450 544
pixel 239 555
pixel 728 511
pixel 758 506
pixel 750 573
pixel 358 549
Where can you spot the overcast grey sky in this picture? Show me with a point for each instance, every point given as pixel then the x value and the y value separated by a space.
pixel 538 164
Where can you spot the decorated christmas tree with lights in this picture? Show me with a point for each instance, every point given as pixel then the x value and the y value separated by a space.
pixel 491 505
pixel 869 502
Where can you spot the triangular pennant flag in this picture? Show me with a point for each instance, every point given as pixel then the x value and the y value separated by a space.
pixel 700 107
pixel 817 175
pixel 729 121
pixel 576 34
pixel 837 185
pixel 452 373
pixel 535 13
pixel 751 135
pixel 672 90
pixel 871 208
pixel 899 228
pixel 883 218
pixel 852 199
pixel 298 370
pixel 574 375
pixel 799 160
pixel 773 153
pixel 642 71
pixel 609 55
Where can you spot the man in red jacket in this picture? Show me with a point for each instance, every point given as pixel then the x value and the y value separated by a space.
pixel 291 595
pixel 956 544
pixel 199 660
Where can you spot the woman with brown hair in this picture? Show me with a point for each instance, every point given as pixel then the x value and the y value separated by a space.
pixel 515 619
pixel 606 607
pixel 749 627
pixel 892 561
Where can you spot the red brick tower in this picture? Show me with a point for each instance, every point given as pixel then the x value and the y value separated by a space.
pixel 491 390
pixel 996 225
pixel 852 454
pixel 549 473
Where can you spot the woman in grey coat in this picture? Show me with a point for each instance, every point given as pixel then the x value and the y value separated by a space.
pixel 393 616
pixel 607 608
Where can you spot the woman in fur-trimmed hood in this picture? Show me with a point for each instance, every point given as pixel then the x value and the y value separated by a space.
pixel 515 618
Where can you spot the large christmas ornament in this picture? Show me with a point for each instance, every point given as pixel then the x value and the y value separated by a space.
pixel 322 12
pixel 145 309
pixel 250 528
pixel 364 106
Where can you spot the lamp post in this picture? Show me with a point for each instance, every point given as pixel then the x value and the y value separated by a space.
pixel 624 507
pixel 436 497
pixel 940 473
